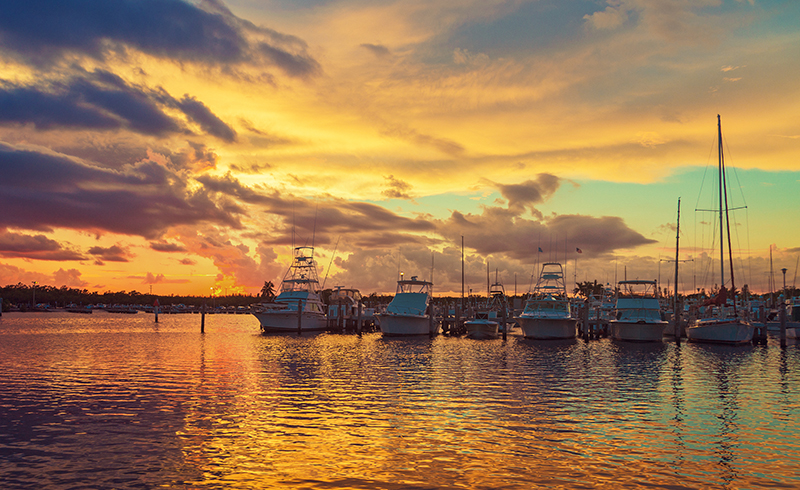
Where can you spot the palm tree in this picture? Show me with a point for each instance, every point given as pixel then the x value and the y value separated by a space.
pixel 268 291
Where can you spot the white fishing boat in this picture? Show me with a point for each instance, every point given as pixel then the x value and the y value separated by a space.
pixel 489 323
pixel 407 313
pixel 485 325
pixel 547 313
pixel 723 322
pixel 637 315
pixel 298 307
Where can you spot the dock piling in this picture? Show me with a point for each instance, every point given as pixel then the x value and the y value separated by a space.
pixel 203 319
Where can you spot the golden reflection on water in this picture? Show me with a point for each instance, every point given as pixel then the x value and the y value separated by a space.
pixel 130 403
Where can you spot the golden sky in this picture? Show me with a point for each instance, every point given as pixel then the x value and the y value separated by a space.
pixel 186 146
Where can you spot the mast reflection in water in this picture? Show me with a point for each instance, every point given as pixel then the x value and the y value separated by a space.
pixel 117 401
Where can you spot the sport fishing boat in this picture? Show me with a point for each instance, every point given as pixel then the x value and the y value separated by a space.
pixel 638 313
pixel 547 313
pixel 298 307
pixel 407 313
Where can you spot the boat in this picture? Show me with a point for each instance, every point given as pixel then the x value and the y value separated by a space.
pixel 489 322
pixel 637 315
pixel 407 313
pixel 547 313
pixel 722 322
pixel 298 307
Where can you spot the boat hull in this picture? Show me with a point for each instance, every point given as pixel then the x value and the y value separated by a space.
pixel 482 329
pixel 637 331
pixel 287 321
pixel 405 325
pixel 548 328
pixel 721 332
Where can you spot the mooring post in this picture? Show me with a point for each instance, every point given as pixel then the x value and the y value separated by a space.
pixel 503 317
pixel 783 325
pixel 457 320
pixel 358 322
pixel 586 327
pixel 155 310
pixel 1 306
pixel 203 318
pixel 300 317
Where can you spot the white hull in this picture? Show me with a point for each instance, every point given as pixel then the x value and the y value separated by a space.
pixel 287 321
pixel 401 325
pixel 482 329
pixel 720 332
pixel 548 328
pixel 638 331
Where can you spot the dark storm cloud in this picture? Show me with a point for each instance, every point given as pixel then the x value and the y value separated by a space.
pixel 42 190
pixel 39 247
pixel 42 32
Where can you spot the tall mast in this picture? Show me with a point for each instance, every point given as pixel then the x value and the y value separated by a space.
pixel 675 310
pixel 721 178
pixel 727 221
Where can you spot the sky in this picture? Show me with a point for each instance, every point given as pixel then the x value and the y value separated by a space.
pixel 180 147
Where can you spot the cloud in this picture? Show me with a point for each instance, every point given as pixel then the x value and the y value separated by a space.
pixel 38 247
pixel 43 32
pixel 378 50
pixel 103 101
pixel 114 253
pixel 42 189
pixel 167 247
pixel 530 192
pixel 210 123
pixel 70 278
pixel 159 279
pixel 397 189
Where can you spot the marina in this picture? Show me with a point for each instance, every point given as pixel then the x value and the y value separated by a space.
pixel 138 404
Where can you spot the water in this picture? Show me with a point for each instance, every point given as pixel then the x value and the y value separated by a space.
pixel 117 401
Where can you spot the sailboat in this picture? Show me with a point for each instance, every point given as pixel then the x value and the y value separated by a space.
pixel 298 307
pixel 725 324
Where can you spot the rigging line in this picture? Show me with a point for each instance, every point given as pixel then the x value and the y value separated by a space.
pixel 331 262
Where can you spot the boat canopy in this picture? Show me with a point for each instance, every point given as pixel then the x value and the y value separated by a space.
pixel 408 304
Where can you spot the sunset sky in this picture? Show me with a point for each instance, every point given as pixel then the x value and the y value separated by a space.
pixel 186 146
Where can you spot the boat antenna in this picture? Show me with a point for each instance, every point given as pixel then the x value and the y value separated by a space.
pixel 331 262
pixel 462 272
pixel 314 229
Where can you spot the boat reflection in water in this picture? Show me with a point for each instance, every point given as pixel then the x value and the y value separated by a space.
pixel 116 401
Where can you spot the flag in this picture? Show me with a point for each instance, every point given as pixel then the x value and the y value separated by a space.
pixel 540 250
pixel 579 250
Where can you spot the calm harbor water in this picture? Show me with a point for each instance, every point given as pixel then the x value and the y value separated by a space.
pixel 118 401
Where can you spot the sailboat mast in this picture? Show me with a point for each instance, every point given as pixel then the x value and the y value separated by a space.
pixel 675 310
pixel 721 234
pixel 727 223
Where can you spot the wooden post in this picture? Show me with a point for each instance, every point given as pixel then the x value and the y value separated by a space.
pixel 783 324
pixel 587 333
pixel 155 310
pixel 300 317
pixel 457 322
pixel 1 306
pixel 358 322
pixel 503 315
pixel 203 318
